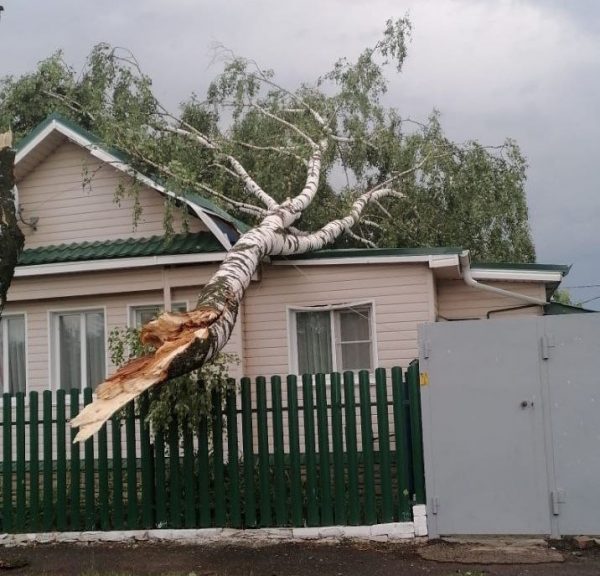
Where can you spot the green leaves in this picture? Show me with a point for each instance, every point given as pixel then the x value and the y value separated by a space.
pixel 186 399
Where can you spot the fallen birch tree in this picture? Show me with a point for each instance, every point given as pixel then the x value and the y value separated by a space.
pixel 335 129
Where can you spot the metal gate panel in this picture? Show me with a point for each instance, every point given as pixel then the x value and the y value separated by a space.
pixel 573 376
pixel 483 428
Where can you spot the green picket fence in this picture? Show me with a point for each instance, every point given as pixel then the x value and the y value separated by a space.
pixel 322 451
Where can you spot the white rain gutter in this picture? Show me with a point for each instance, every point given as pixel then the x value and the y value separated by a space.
pixel 467 275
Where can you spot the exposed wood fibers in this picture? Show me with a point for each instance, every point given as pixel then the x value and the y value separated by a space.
pixel 172 334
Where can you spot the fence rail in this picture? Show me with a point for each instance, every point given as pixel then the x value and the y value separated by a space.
pixel 273 453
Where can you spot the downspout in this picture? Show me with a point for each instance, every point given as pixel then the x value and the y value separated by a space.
pixel 467 276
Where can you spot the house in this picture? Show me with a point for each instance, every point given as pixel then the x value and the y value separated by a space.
pixel 89 268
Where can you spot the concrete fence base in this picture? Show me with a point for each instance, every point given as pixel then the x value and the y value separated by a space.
pixel 392 531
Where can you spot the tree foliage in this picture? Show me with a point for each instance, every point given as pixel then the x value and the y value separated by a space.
pixel 187 400
pixel 464 195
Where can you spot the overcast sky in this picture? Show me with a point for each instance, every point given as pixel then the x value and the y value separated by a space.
pixel 529 70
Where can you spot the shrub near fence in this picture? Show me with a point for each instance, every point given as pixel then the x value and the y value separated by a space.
pixel 319 452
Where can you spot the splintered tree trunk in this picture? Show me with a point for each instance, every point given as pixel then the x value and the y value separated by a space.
pixel 11 237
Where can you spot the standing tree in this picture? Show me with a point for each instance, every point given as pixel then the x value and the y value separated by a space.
pixel 11 237
pixel 283 150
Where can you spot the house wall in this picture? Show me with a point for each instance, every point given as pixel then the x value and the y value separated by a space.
pixel 112 291
pixel 70 212
pixel 401 295
pixel 457 301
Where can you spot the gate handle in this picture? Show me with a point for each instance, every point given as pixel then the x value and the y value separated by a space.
pixel 526 403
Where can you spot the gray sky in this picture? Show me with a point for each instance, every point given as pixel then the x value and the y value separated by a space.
pixel 529 70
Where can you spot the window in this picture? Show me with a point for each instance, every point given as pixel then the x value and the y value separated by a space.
pixel 80 356
pixel 12 354
pixel 332 338
pixel 140 315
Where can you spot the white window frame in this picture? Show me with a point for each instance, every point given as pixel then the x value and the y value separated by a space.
pixel 291 311
pixel 131 308
pixel 53 344
pixel 4 351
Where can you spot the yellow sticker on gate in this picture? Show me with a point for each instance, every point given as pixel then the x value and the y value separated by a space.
pixel 424 378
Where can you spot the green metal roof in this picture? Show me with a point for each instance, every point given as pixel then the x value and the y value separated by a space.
pixel 197 243
pixel 372 252
pixel 422 251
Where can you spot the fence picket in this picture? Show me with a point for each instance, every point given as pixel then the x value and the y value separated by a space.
pixel 20 432
pixel 383 434
pixel 324 472
pixel 204 474
pixel 294 448
pixel 89 473
pixel 103 500
pixel 61 463
pixel 34 463
pixel 175 484
pixel 248 450
pixel 117 473
pixel 160 474
pixel 351 449
pixel 402 448
pixel 188 478
pixel 219 473
pixel 75 493
pixel 312 501
pixel 130 454
pixel 264 470
pixel 366 428
pixel 416 435
pixel 7 462
pixel 337 434
pixel 278 453
pixel 233 471
pixel 47 471
pixel 147 479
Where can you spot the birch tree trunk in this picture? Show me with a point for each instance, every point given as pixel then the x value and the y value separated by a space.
pixel 11 237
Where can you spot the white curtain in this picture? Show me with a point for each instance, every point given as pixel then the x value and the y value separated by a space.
pixel 16 354
pixel 94 344
pixel 69 335
pixel 313 333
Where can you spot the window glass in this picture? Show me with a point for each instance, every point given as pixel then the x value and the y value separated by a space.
pixel 13 363
pixel 69 342
pixel 334 340
pixel 94 347
pixel 141 315
pixel 81 349
pixel 354 325
pixel 314 342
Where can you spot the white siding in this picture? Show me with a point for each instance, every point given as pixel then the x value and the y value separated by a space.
pixel 400 295
pixel 457 301
pixel 111 291
pixel 69 212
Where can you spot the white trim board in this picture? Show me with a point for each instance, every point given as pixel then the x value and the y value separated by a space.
pixel 115 264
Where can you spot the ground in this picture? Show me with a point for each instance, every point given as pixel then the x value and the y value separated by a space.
pixel 352 559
